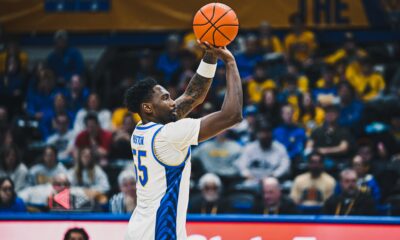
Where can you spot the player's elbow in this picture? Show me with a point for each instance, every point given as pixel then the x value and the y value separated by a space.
pixel 235 118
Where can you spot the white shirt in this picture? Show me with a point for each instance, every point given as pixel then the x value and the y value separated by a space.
pixel 161 156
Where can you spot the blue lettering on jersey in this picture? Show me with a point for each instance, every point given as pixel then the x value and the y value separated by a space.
pixel 138 140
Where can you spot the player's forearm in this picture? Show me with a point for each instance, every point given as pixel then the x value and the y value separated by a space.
pixel 233 101
pixel 196 90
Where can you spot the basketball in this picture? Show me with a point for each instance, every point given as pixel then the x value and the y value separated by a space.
pixel 216 23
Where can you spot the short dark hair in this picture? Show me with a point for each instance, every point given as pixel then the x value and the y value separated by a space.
pixel 139 92
pixel 315 153
pixel 76 230
pixel 91 116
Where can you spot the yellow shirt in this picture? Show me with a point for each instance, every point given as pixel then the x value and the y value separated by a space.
pixel 311 123
pixel 303 45
pixel 368 86
pixel 340 54
pixel 272 43
pixel 118 117
pixel 256 89
pixel 302 84
pixel 23 58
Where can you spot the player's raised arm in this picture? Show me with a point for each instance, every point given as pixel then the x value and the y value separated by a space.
pixel 198 87
pixel 231 110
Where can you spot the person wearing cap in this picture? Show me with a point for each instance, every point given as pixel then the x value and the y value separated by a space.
pixel 263 157
pixel 64 60
pixel 349 52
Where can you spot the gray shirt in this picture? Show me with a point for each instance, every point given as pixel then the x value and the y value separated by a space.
pixel 258 163
pixel 99 184
pixel 218 157
pixel 40 174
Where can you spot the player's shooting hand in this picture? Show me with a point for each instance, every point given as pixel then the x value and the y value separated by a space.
pixel 221 52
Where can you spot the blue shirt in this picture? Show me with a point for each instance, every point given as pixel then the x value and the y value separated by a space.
pixel 292 137
pixel 17 206
pixel 351 114
pixel 168 66
pixel 246 63
pixel 67 63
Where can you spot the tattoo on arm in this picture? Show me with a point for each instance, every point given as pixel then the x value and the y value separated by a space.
pixel 196 91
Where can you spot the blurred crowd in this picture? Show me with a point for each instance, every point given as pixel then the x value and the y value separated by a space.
pixel 320 135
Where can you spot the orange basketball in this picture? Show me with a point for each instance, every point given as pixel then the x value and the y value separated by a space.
pixel 216 23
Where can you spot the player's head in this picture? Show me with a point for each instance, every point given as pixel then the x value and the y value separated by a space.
pixel 151 101
pixel 76 234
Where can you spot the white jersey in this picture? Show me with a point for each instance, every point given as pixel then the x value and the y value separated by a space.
pixel 161 155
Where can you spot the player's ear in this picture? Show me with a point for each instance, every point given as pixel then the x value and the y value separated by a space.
pixel 147 108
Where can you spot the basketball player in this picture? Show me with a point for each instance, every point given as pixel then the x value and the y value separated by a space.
pixel 161 144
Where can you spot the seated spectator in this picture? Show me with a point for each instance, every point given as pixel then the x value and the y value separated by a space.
pixel 38 196
pixel 209 201
pixel 245 130
pixel 76 234
pixel 94 137
pixel 270 108
pixel 314 187
pixel 87 173
pixel 302 81
pixel 351 110
pixel 310 115
pixel 13 167
pixel 121 139
pixel 168 61
pixel 9 202
pixel 118 117
pixel 62 139
pixel 263 157
pixel 290 135
pixel 300 43
pixel 269 43
pixel 93 107
pixel 331 140
pixel 218 156
pixel 247 60
pixel 348 53
pixel 290 94
pixel 147 68
pixel 43 172
pixel 13 49
pixel 366 182
pixel 367 83
pixel 181 77
pixel 326 86
pixel 125 200
pixel 273 201
pixel 76 95
pixel 12 86
pixel 258 83
pixel 351 201
pixel 65 60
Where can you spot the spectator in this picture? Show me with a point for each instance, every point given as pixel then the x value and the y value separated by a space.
pixel 351 201
pixel 43 172
pixel 13 50
pixel 118 117
pixel 65 60
pixel 300 44
pixel 351 110
pixel 218 156
pixel 13 167
pixel 290 135
pixel 76 234
pixel 147 68
pixel 367 83
pixel 9 202
pixel 94 137
pixel 314 187
pixel 168 62
pixel 259 83
pixel 348 53
pixel 263 157
pixel 310 115
pixel 121 139
pixel 209 201
pixel 302 81
pixel 76 95
pixel 62 139
pixel 326 86
pixel 270 108
pixel 181 77
pixel 93 107
pixel 330 139
pixel 269 43
pixel 247 60
pixel 87 174
pixel 125 201
pixel 245 130
pixel 290 94
pixel 273 201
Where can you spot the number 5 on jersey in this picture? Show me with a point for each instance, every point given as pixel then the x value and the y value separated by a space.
pixel 140 170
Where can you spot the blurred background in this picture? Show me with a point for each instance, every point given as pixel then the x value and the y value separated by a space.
pixel 321 128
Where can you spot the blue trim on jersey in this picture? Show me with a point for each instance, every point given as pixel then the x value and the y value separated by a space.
pixel 160 162
pixel 146 127
pixel 167 211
